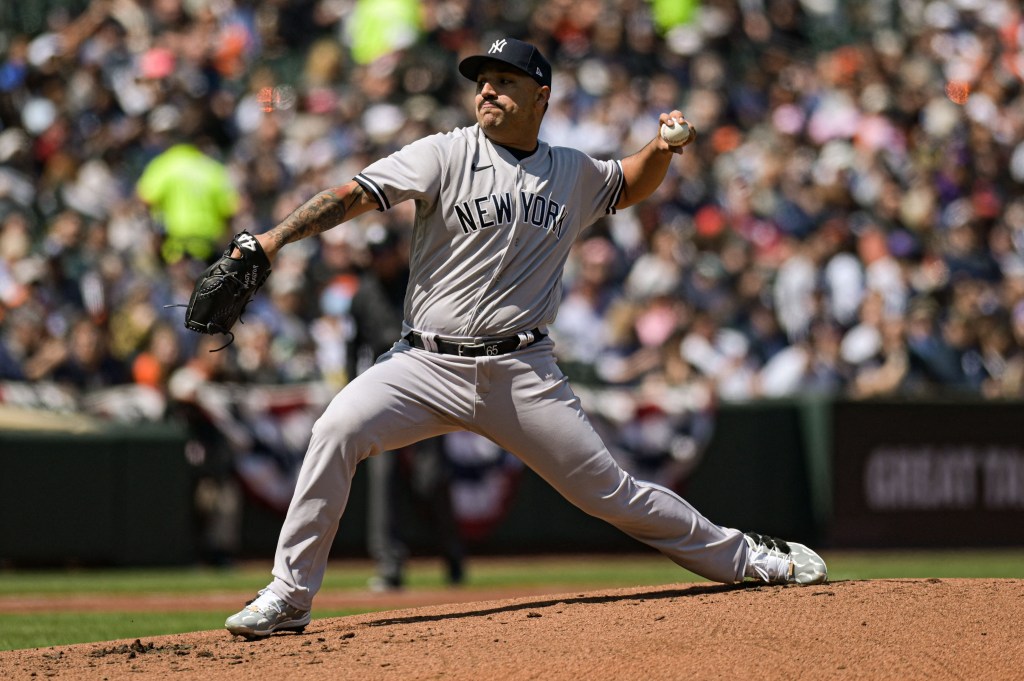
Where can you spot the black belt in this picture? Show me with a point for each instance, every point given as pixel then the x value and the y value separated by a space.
pixel 488 348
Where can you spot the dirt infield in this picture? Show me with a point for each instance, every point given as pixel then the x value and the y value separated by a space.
pixel 884 629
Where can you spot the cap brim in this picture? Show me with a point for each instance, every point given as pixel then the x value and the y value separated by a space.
pixel 470 66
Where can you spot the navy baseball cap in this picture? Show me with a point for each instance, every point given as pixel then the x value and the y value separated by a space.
pixel 523 56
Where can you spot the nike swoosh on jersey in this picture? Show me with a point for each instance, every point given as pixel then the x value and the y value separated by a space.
pixel 478 168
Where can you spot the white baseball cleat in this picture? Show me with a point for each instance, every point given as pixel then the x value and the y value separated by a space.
pixel 266 614
pixel 777 562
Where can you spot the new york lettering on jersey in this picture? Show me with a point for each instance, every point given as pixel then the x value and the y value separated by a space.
pixel 498 210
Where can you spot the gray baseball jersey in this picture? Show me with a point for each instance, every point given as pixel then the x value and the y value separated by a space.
pixel 492 234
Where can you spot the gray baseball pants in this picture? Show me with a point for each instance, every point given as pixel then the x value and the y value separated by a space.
pixel 522 402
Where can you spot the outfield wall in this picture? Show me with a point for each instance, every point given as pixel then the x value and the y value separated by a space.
pixel 840 474
pixel 94 494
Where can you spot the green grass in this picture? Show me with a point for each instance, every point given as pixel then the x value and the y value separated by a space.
pixel 483 573
pixel 579 572
pixel 137 581
pixel 924 564
pixel 40 630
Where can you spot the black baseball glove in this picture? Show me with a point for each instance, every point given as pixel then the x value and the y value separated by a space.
pixel 224 289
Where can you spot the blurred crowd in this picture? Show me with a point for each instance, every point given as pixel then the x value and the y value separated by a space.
pixel 849 222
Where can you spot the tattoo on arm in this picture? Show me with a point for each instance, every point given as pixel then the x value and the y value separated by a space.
pixel 327 209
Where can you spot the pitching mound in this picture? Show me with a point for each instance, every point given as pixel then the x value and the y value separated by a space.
pixel 886 629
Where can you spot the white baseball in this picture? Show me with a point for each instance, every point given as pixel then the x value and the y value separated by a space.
pixel 678 134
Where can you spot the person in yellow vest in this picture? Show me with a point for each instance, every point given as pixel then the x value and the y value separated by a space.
pixel 191 196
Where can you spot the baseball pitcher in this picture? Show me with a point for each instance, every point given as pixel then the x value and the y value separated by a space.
pixel 497 211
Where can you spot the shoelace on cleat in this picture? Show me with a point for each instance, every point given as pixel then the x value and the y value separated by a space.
pixel 265 609
pixel 770 543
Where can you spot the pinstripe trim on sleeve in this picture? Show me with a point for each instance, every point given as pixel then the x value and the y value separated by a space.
pixel 618 190
pixel 369 185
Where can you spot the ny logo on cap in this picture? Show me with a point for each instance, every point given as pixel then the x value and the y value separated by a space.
pixel 497 46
